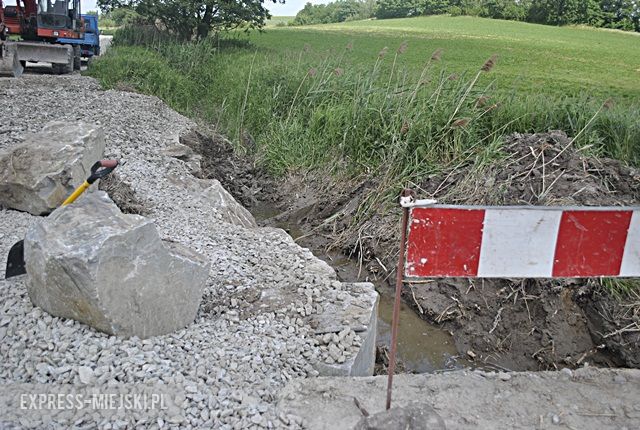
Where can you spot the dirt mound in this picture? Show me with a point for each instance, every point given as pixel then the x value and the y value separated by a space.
pixel 540 169
pixel 123 195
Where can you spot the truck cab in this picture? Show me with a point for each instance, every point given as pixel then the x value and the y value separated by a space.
pixel 90 43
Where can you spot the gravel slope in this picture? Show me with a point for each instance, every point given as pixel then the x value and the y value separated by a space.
pixel 232 362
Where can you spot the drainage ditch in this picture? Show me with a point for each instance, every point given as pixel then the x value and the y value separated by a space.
pixel 422 347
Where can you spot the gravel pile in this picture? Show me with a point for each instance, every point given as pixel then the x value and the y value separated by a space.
pixel 255 329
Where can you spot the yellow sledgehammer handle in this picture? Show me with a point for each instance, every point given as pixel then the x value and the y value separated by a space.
pixel 99 170
pixel 81 189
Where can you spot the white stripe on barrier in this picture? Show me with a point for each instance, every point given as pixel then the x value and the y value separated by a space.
pixel 523 242
pixel 518 243
pixel 631 258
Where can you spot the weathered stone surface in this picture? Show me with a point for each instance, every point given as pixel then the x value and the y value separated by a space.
pixel 37 175
pixel 414 416
pixel 467 399
pixel 355 310
pixel 186 154
pixel 210 194
pixel 90 262
pixel 231 211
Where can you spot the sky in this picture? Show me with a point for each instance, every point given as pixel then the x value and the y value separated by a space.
pixel 290 8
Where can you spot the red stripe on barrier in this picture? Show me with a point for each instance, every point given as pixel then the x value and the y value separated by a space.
pixel 591 243
pixel 444 242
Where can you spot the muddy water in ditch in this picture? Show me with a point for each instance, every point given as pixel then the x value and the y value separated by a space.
pixel 422 347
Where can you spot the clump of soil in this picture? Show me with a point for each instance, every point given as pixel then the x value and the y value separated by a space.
pixel 122 195
pixel 541 169
pixel 614 323
pixel 382 362
pixel 247 182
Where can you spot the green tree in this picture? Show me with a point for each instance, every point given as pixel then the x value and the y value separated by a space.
pixel 308 15
pixel 434 7
pixel 505 9
pixel 196 18
pixel 621 14
pixel 337 11
pixel 470 7
pixel 399 8
pixel 556 12
pixel 124 16
pixel 590 13
pixel 343 10
pixel 368 9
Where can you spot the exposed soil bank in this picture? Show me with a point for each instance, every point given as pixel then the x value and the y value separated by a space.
pixel 423 347
pixel 511 324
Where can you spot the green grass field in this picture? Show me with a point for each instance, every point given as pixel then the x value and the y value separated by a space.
pixel 532 58
pixel 319 96
pixel 279 20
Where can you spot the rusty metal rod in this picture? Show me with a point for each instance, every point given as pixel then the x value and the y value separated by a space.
pixel 396 305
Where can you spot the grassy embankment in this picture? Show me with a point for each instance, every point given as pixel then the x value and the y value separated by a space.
pixel 334 97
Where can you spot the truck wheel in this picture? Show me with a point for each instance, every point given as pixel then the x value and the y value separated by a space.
pixel 62 69
pixel 77 60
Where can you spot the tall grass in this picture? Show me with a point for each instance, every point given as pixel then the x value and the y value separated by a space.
pixel 301 110
pixel 307 110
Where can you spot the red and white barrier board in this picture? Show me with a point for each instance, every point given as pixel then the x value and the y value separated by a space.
pixel 523 242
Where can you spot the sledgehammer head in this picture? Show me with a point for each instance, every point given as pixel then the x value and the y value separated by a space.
pixel 9 62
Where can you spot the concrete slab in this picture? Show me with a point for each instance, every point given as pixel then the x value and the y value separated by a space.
pixel 584 399
pixel 358 312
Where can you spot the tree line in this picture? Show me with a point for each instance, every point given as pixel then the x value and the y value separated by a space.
pixel 189 19
pixel 337 11
pixel 617 14
pixel 195 19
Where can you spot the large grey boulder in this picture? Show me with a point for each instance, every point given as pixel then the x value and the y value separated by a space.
pixel 37 175
pixel 90 262
pixel 210 196
pixel 230 210
pixel 187 155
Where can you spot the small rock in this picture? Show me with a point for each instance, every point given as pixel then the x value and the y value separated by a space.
pixel 504 376
pixel 619 379
pixel 85 374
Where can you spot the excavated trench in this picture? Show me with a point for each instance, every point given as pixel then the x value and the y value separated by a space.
pixel 422 347
pixel 452 323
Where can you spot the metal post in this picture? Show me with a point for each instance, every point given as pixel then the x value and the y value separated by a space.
pixel 396 304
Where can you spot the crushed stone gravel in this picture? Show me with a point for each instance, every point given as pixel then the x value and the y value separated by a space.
pixel 253 332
